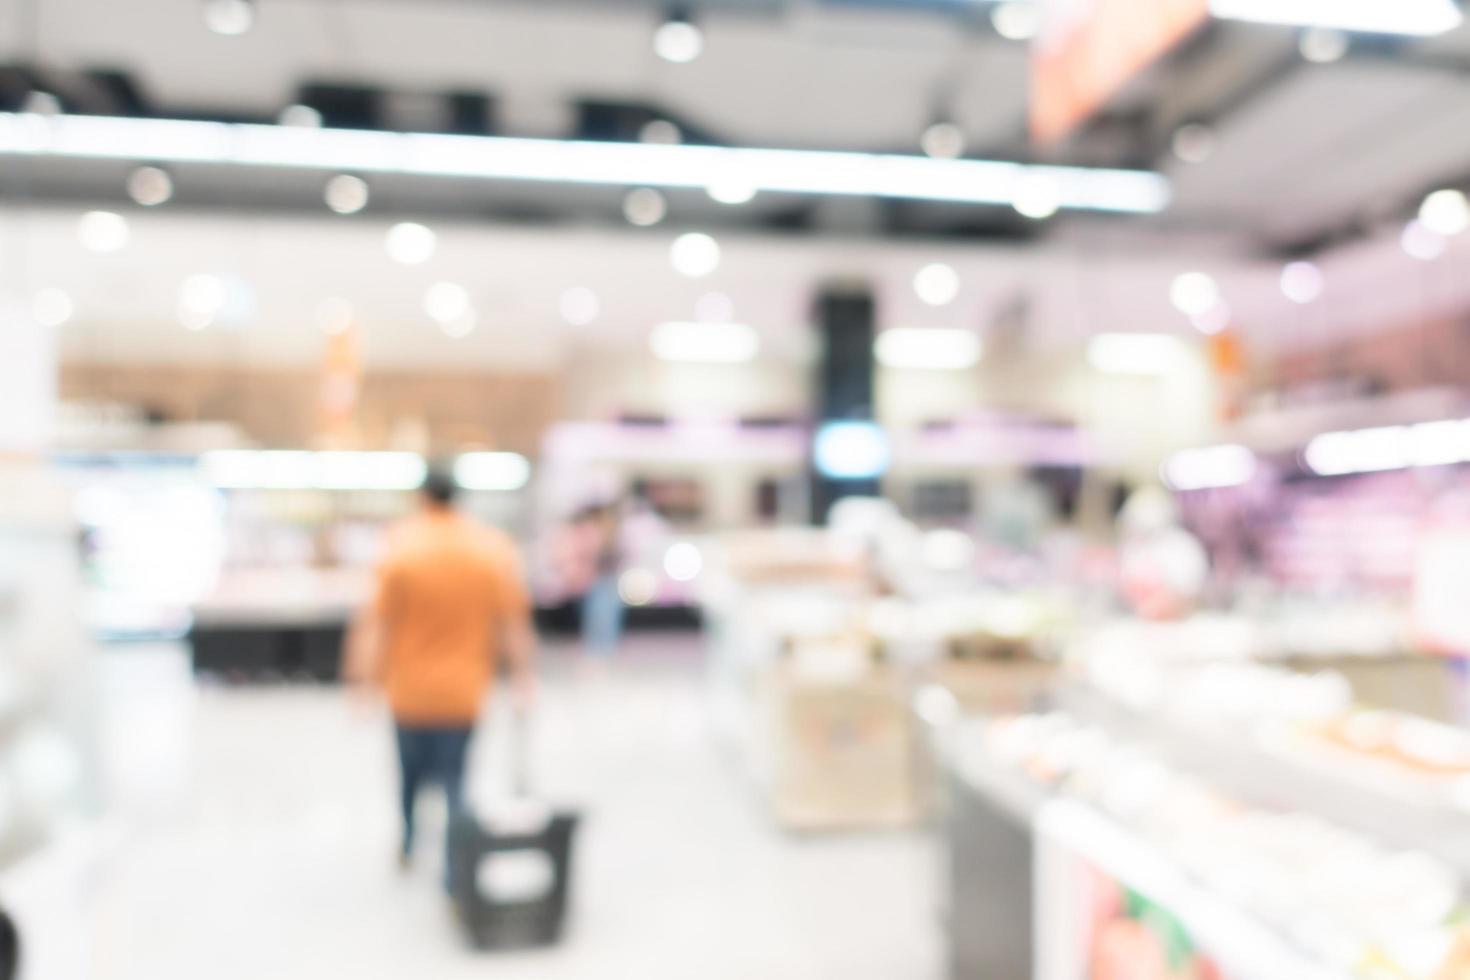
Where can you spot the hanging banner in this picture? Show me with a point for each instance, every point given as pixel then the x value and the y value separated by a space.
pixel 1089 50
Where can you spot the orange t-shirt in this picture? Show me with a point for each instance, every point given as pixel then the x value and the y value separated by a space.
pixel 445 589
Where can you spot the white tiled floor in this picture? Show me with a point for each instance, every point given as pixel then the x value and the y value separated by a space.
pixel 258 830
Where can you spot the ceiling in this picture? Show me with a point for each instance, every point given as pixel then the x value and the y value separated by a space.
pixel 1308 157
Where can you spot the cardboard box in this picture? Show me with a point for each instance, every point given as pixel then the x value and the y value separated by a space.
pixel 844 751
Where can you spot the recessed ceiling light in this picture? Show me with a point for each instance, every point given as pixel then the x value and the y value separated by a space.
pixel 660 132
pixel 695 255
pixel 1446 212
pixel 943 140
pixel 1135 353
pixel 1214 320
pixel 229 17
pixel 645 207
pixel 1017 21
pixel 300 117
pixel 1302 282
pixel 1323 45
pixel 202 298
pixel 150 186
pixel 937 284
pixel 1037 197
pixel 1194 293
pixel 704 343
pixel 1421 242
pixel 346 194
pixel 103 231
pixel 1193 142
pixel 410 243
pixel 731 189
pixel 678 40
pixel 928 348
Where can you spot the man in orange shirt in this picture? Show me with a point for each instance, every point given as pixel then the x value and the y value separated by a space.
pixel 450 601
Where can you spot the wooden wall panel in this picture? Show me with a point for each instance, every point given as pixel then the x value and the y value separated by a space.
pixel 278 407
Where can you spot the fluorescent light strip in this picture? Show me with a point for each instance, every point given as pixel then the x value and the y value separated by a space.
pixel 1135 353
pixel 1416 17
pixel 704 343
pixel 248 469
pixel 492 471
pixel 1393 447
pixel 928 348
pixel 1209 468
pixel 565 161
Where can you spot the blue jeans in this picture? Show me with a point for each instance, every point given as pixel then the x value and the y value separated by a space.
pixel 431 755
pixel 602 617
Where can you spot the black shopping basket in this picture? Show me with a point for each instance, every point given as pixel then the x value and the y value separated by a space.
pixel 535 847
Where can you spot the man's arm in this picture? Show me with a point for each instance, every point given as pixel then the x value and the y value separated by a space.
pixel 363 655
pixel 520 649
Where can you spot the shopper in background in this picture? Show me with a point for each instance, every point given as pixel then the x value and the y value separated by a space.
pixel 592 557
pixel 450 603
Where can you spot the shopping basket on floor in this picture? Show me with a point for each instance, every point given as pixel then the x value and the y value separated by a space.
pixel 511 873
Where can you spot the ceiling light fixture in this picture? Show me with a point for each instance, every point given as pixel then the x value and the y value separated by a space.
pixel 202 298
pixel 1017 21
pixel 568 161
pixel 660 132
pixel 1213 321
pixel 1037 197
pixel 678 39
pixel 410 243
pixel 1446 212
pixel 1302 282
pixel 937 284
pixel 1413 17
pixel 1421 242
pixel 704 343
pixel 1209 468
pixel 645 207
pixel 1135 353
pixel 1323 45
pixel 150 186
pixel 1193 143
pixel 928 348
pixel 229 17
pixel 103 231
pixel 1193 293
pixel 346 194
pixel 493 472
pixel 695 255
pixel 300 116
pixel 943 140
pixel 732 190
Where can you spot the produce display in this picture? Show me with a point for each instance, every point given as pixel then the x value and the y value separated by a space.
pixel 1339 898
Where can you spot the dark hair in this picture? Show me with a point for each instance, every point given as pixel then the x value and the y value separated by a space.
pixel 439 486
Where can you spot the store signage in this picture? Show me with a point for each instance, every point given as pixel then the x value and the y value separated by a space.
pixel 1090 49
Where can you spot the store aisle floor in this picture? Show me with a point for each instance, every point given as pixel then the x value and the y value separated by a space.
pixel 257 835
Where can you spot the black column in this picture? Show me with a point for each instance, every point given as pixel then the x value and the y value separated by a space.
pixel 844 383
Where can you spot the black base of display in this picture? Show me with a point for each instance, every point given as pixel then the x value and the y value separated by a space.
pixel 566 619
pixel 268 652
